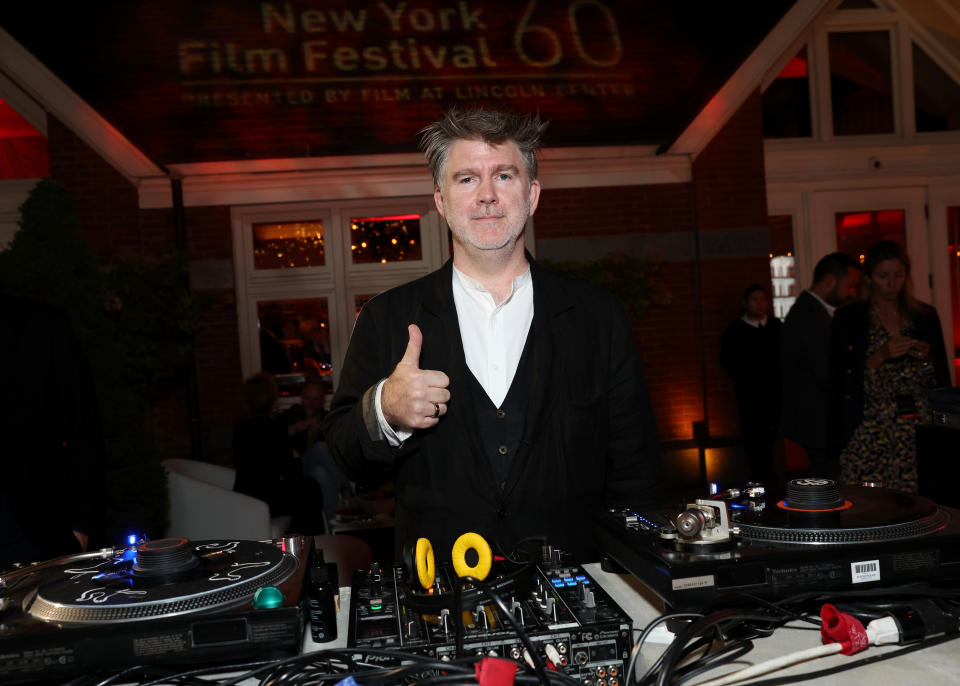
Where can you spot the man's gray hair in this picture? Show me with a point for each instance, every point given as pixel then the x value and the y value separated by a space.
pixel 490 126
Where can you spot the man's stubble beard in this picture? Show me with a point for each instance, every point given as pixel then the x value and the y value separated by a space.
pixel 510 239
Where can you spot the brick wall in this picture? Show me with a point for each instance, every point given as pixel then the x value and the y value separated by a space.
pixel 105 202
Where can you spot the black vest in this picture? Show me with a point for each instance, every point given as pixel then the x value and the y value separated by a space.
pixel 501 428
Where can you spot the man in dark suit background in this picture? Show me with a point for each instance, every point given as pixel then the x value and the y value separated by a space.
pixel 509 400
pixel 805 362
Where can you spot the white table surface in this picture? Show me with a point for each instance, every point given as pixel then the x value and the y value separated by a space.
pixel 937 665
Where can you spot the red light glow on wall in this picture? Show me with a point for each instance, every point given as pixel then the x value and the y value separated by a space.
pixel 795 69
pixel 23 149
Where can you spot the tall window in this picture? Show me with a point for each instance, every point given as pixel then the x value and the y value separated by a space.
pixel 857 231
pixel 786 102
pixel 303 272
pixel 861 83
pixel 23 149
pixel 782 264
pixel 936 96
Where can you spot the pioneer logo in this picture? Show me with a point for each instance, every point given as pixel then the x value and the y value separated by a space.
pixel 813 482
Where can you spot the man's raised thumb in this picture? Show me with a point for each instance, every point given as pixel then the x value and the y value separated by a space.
pixel 411 355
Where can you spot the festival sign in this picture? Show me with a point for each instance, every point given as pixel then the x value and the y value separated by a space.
pixel 221 80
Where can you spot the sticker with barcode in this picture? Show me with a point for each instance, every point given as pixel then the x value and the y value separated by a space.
pixel 690 582
pixel 868 570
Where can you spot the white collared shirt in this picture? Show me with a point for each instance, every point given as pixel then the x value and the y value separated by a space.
pixel 755 323
pixel 493 335
pixel 493 338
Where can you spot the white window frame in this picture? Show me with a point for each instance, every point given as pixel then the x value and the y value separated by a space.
pixel 825 204
pixel 821 82
pixel 338 280
pixel 903 31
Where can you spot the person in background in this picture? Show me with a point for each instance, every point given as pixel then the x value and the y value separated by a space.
pixel 310 444
pixel 887 352
pixel 805 364
pixel 750 353
pixel 508 400
pixel 265 465
pixel 273 354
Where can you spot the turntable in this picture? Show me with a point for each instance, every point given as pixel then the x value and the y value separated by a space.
pixel 169 601
pixel 820 538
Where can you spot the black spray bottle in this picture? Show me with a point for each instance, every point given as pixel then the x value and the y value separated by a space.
pixel 322 592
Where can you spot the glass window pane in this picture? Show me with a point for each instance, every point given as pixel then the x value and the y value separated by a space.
pixel 289 244
pixel 936 96
pixel 953 234
pixel 861 86
pixel 394 238
pixel 857 231
pixel 786 103
pixel 782 277
pixel 295 338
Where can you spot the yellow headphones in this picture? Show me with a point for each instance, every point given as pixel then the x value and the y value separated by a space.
pixel 426 567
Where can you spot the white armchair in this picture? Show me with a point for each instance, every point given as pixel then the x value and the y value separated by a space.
pixel 203 505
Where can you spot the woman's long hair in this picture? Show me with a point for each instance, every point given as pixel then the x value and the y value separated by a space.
pixel 881 252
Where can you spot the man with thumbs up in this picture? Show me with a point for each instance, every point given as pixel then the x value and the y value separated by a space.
pixel 509 400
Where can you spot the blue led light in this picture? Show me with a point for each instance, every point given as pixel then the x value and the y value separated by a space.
pixel 571 582
pixel 580 577
pixel 714 488
pixel 738 506
pixel 132 539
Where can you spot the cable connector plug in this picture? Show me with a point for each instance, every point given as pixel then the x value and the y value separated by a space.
pixel 840 627
pixel 883 631
pixel 924 618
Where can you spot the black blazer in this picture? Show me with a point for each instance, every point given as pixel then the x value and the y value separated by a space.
pixel 848 356
pixel 589 436
pixel 805 371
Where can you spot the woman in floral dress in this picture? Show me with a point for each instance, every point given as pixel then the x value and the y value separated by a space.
pixel 887 351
